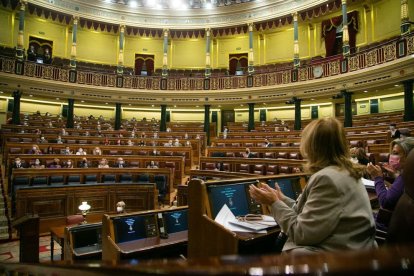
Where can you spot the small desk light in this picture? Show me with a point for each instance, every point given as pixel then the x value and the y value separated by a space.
pixel 84 208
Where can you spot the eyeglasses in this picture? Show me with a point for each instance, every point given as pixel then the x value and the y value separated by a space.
pixel 250 217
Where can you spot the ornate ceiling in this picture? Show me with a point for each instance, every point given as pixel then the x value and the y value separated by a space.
pixel 237 12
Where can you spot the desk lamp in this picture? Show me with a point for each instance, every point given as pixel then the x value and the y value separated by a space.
pixel 84 208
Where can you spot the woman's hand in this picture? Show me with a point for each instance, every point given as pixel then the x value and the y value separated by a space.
pixel 264 194
pixel 374 171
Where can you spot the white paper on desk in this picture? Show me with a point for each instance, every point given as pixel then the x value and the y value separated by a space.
pixel 225 215
pixel 368 183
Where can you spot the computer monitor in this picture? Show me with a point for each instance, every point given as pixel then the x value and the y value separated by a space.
pixel 235 196
pixel 290 186
pixel 176 221
pixel 129 228
pixel 86 235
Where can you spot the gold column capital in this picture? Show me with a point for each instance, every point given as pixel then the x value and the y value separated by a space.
pixel 75 20
pixel 208 31
pixel 250 25
pixel 166 32
pixel 122 28
pixel 343 2
pixel 295 16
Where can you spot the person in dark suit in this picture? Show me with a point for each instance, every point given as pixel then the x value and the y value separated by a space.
pixel 31 54
pixel 120 163
pixel 267 143
pixel 18 164
pixel 394 132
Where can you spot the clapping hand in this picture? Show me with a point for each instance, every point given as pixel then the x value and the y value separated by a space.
pixel 265 194
pixel 374 170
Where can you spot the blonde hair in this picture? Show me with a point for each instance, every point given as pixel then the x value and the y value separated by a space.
pixel 324 144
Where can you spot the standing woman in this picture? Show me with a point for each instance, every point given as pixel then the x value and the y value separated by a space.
pixel 333 212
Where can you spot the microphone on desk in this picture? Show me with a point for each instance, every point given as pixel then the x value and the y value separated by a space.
pixel 161 225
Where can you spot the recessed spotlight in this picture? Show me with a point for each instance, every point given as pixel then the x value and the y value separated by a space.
pixel 57 99
pixel 175 106
pixel 396 85
pixel 152 105
pixel 1 92
pixel 106 103
pixel 133 4
pixel 82 101
pixel 209 5
pixel 129 104
pixel 365 91
pixel 29 95
pixel 241 104
pixel 219 105
pixel 197 106
pixel 264 103
pixel 312 99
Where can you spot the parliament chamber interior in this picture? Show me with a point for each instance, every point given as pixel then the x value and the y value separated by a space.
pixel 143 136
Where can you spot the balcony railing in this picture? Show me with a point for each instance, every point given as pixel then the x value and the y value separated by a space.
pixel 331 66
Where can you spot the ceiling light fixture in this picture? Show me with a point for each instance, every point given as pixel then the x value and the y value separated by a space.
pixel 133 4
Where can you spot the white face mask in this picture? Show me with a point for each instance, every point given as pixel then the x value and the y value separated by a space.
pixel 119 209
pixel 37 162
pixel 69 163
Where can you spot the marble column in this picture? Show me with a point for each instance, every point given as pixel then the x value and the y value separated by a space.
pixel 296 60
pixel 207 122
pixel 17 94
pixel 118 116
pixel 251 55
pixel 345 33
pixel 163 123
pixel 74 39
pixel 251 117
pixel 20 37
pixel 165 55
pixel 408 100
pixel 207 73
pixel 69 119
pixel 120 67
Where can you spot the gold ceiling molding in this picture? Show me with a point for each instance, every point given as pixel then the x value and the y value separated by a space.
pixel 218 17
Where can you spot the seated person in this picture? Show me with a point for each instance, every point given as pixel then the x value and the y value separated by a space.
pixel 120 163
pixel 154 152
pixel 84 163
pixel 18 163
pixel 247 154
pixel 81 152
pixel 141 143
pixel 394 132
pixel 35 150
pixel 169 143
pixel 59 140
pixel 37 165
pixel 388 198
pixel 177 143
pixel 55 164
pixel 97 151
pixel 68 164
pixel 362 156
pixel 31 53
pixel 130 143
pixel 103 164
pixel 47 58
pixel 267 143
pixel 152 165
pixel 50 150
pixel 67 151
pixel 333 213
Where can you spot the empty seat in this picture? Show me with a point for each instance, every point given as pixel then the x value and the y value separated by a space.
pixel 167 153
pixel 134 164
pixel 125 178
pixel 56 180
pixel 269 155
pixel 282 155
pixel 128 152
pixel 285 144
pixel 371 142
pixel 21 181
pixel 113 152
pixel 272 170
pixel 74 219
pixel 248 145
pixel 244 168
pixel 221 145
pixel 83 141
pixel 225 167
pixel 142 152
pixel 70 141
pixel 259 169
pixel 39 180
pixel 15 150
pixel 209 166
pixel 285 169
pixel 294 155
pixel 296 144
pixel 91 179
pixel 236 145
pixel 27 140
pixel 73 179
pixel 108 178
pixel 143 178
pixel 229 154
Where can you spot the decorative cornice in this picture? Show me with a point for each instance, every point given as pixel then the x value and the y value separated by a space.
pixel 183 19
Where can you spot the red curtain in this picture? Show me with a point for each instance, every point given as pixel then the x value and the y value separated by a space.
pixel 329 27
pixel 234 58
pixel 140 59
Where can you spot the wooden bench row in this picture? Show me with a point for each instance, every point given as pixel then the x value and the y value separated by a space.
pixel 173 163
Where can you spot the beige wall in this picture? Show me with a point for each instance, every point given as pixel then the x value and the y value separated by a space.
pixel 140 114
pixel 190 53
pixel 142 45
pixel 96 111
pixel 43 107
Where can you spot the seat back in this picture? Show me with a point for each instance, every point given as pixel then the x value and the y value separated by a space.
pixel 272 170
pixel 21 181
pixel 209 166
pixel 269 155
pixel 91 179
pixel 73 179
pixel 143 178
pixel 108 178
pixel 161 184
pixel 125 178
pixel 39 180
pixel 74 219
pixel 259 169
pixel 245 168
pixel 282 155
pixel 285 169
pixel 56 180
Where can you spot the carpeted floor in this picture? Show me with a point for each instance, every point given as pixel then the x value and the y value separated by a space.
pixel 9 251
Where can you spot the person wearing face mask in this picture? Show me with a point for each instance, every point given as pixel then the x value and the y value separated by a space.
pixel 120 163
pixel 69 164
pixel 388 198
pixel 37 165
